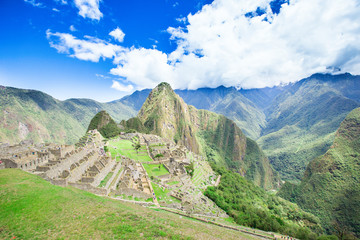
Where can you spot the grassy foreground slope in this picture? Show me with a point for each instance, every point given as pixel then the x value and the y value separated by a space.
pixel 32 208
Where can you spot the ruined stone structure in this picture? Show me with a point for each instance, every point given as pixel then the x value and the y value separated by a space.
pixel 133 180
pixel 86 166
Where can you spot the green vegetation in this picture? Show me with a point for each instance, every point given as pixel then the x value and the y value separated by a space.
pixel 251 206
pixel 106 179
pixel 155 169
pixel 105 124
pixel 190 169
pixel 126 148
pixel 173 183
pixel 32 208
pixel 330 188
pixel 159 155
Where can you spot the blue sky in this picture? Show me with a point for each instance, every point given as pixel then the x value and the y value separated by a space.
pixel 104 49
pixel 28 61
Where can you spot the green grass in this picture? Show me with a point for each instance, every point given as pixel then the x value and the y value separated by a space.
pixel 153 169
pixel 32 208
pixel 106 179
pixel 173 183
pixel 163 195
pixel 125 148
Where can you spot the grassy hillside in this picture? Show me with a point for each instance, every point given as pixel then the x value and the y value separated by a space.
pixel 32 208
pixel 29 114
pixel 330 188
pixel 302 120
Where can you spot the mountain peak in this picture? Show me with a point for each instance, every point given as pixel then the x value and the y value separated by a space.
pixel 164 86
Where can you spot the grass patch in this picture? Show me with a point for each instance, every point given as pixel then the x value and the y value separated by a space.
pixel 126 148
pixel 106 179
pixel 173 183
pixel 155 170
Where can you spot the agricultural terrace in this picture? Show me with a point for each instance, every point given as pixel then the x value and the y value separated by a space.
pixel 127 148
pixel 155 169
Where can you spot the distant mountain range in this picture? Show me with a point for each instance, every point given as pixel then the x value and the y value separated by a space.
pixel 293 124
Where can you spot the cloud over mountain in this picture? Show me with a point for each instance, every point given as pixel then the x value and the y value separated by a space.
pixel 239 42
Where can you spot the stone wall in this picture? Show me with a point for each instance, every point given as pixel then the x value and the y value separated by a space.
pixel 9 163
pixel 77 173
pixel 102 174
pixel 65 164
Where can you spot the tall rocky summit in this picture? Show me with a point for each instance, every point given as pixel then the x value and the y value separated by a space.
pixel 330 188
pixel 165 114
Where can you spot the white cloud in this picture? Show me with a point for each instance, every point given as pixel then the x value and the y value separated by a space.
pixel 89 49
pixel 181 20
pixel 72 28
pixel 221 46
pixel 89 8
pixel 56 10
pixel 117 34
pixel 63 2
pixel 122 88
pixel 144 67
pixel 306 37
pixel 34 3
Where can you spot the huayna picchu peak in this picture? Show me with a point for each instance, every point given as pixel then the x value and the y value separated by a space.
pixel 165 114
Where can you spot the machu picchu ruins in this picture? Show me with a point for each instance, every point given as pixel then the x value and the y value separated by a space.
pixel 142 168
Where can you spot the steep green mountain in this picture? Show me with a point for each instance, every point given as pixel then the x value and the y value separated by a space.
pixel 165 114
pixel 30 114
pixel 330 188
pixel 302 120
pixel 104 124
